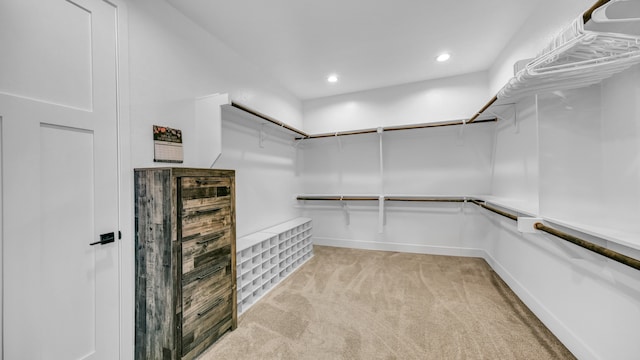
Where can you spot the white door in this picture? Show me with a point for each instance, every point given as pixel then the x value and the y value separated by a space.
pixel 59 128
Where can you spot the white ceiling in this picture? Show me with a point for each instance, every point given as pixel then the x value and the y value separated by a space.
pixel 369 44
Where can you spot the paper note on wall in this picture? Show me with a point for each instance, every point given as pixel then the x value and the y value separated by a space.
pixel 167 145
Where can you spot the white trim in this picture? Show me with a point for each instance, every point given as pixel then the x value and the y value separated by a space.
pixel 1 249
pixel 399 247
pixel 568 338
pixel 125 174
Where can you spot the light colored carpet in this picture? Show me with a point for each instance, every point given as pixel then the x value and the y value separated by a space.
pixel 358 304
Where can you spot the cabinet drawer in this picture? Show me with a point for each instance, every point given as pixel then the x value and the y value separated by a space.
pixel 205 187
pixel 203 266
pixel 197 296
pixel 204 322
pixel 204 220
pixel 203 251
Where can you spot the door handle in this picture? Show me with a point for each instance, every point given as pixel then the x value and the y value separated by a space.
pixel 105 239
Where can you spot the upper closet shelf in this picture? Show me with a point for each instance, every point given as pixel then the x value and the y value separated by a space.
pixel 582 55
pixel 575 59
pixel 605 40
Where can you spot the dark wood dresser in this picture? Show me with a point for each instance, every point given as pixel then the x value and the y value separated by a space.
pixel 185 286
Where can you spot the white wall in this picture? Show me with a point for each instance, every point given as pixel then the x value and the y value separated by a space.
pixel 173 62
pixel 591 304
pixel 515 168
pixel 590 155
pixel 621 149
pixel 575 158
pixel 452 161
pixel 267 179
pixel 453 98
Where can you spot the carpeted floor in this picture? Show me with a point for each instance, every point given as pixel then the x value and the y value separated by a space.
pixel 358 304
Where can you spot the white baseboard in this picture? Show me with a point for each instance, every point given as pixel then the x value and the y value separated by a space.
pixel 570 340
pixel 399 247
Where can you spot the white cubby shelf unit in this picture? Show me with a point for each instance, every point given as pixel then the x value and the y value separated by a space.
pixel 267 257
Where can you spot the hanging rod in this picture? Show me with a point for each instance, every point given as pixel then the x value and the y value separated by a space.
pixel 269 119
pixel 601 250
pixel 587 14
pixel 608 253
pixel 613 255
pixel 485 107
pixel 339 198
pixel 495 210
pixel 304 135
pixel 425 199
pixel 397 128
pixel 386 198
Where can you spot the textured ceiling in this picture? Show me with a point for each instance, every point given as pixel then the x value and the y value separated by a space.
pixel 368 44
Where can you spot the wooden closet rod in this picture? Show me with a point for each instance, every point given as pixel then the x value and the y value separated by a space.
pixel 587 15
pixel 269 119
pixel 485 107
pixel 304 135
pixel 425 199
pixel 396 128
pixel 601 250
pixel 613 255
pixel 338 198
pixel 495 210
pixel 386 198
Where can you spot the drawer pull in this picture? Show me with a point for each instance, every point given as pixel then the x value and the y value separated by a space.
pixel 211 307
pixel 213 238
pixel 209 211
pixel 210 272
pixel 207 182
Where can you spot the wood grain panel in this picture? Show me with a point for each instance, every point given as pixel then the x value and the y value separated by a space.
pixel 189 182
pixel 198 296
pixel 190 206
pixel 212 322
pixel 185 260
pixel 155 280
pixel 202 250
pixel 205 222
pixel 205 187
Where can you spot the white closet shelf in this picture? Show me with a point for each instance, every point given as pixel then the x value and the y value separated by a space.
pixel 576 58
pixel 584 53
pixel 519 206
pixel 625 238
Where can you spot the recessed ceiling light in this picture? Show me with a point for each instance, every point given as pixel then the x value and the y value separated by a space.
pixel 443 57
pixel 332 78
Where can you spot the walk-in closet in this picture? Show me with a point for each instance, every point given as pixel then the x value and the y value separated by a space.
pixel 331 180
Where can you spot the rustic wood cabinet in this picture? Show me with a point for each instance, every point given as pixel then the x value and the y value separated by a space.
pixel 185 295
